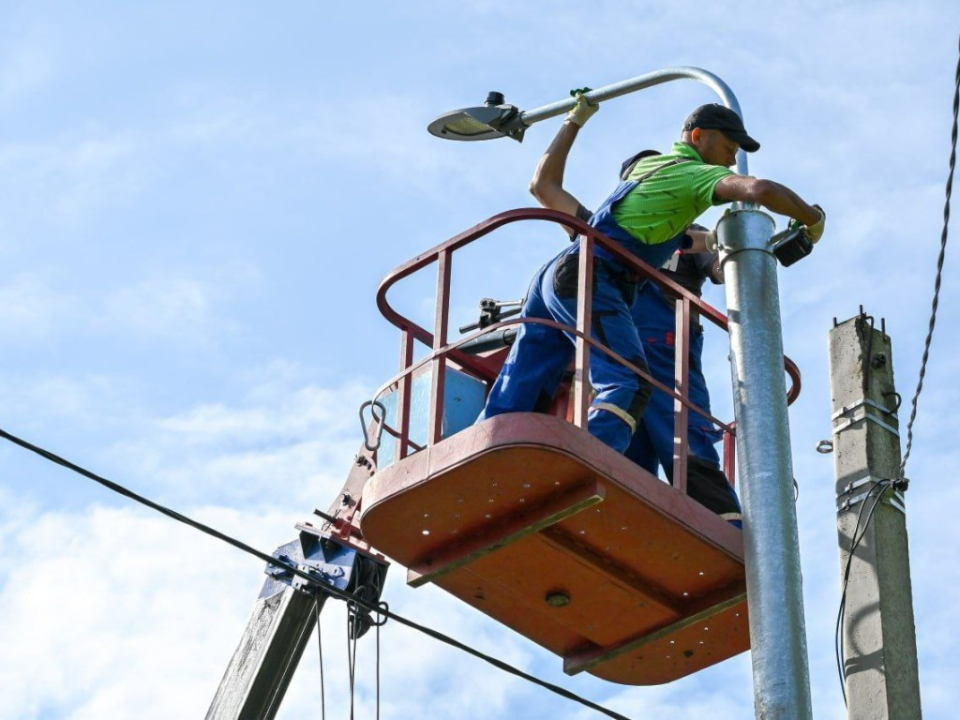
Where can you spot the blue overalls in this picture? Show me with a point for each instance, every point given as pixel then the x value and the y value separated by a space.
pixel 653 443
pixel 540 355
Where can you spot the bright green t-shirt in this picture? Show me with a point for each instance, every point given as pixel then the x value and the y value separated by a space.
pixel 663 205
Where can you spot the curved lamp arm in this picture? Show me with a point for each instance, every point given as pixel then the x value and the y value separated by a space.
pixel 658 77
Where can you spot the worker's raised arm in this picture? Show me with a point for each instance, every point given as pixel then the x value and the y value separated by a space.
pixel 547 183
pixel 774 197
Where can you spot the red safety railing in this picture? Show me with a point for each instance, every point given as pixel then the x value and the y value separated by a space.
pixel 443 351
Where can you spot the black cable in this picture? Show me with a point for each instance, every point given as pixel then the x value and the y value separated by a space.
pixel 331 590
pixel 838 637
pixel 351 656
pixel 323 699
pixel 378 668
pixel 936 285
pixel 855 540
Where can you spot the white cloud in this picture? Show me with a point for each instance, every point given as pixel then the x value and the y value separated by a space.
pixel 30 307
pixel 382 133
pixel 103 171
pixel 176 308
pixel 293 444
pixel 128 605
pixel 123 597
pixel 70 180
pixel 189 307
pixel 26 65
pixel 168 306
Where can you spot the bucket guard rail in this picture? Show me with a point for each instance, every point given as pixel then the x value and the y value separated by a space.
pixel 443 351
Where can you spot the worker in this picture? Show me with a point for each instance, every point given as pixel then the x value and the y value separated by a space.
pixel 652 445
pixel 645 215
pixel 653 312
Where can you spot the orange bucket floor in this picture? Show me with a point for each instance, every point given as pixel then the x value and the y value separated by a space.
pixel 545 529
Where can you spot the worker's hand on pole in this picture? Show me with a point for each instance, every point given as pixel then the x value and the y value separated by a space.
pixel 815 231
pixel 582 111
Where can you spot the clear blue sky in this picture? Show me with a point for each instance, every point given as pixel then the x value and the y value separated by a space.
pixel 197 203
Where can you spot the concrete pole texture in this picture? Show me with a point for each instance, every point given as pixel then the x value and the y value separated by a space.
pixel 879 639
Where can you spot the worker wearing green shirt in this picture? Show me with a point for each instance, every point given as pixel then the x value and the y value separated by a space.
pixel 646 215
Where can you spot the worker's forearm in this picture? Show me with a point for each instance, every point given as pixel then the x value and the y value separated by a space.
pixel 550 169
pixel 784 201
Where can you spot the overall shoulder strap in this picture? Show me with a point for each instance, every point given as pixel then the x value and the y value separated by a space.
pixel 657 169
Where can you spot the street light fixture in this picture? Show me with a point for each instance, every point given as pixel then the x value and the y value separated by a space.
pixel 491 120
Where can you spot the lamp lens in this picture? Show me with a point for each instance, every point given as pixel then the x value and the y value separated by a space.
pixel 466 125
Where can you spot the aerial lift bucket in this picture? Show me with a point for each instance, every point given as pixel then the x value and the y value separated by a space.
pixel 539 525
pixel 542 527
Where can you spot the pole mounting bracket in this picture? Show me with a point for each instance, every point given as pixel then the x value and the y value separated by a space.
pixel 854 493
pixel 842 421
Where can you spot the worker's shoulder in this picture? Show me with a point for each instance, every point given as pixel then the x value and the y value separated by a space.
pixel 682 162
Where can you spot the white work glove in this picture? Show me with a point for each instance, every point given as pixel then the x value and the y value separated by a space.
pixel 582 111
pixel 815 231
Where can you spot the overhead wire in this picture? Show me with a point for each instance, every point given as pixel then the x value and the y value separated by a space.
pixel 378 669
pixel 936 285
pixel 351 658
pixel 323 698
pixel 381 609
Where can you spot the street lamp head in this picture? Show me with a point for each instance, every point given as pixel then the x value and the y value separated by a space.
pixel 491 120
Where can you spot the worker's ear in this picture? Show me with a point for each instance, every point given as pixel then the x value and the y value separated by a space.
pixel 695 136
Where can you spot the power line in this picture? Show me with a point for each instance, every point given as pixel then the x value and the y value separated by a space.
pixel 378 669
pixel 936 285
pixel 323 695
pixel 351 661
pixel 380 609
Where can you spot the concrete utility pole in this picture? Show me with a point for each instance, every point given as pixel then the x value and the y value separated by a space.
pixel 880 646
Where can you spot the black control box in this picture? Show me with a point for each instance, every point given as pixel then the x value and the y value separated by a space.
pixel 791 245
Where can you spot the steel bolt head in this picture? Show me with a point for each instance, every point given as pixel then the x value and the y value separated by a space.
pixel 557 599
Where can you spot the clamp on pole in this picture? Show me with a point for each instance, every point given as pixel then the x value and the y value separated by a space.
pixel 863 403
pixel 852 494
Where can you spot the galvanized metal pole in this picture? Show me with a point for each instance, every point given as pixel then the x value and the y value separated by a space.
pixel 880 644
pixel 781 682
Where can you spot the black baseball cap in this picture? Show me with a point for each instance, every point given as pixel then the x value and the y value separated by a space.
pixel 717 117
